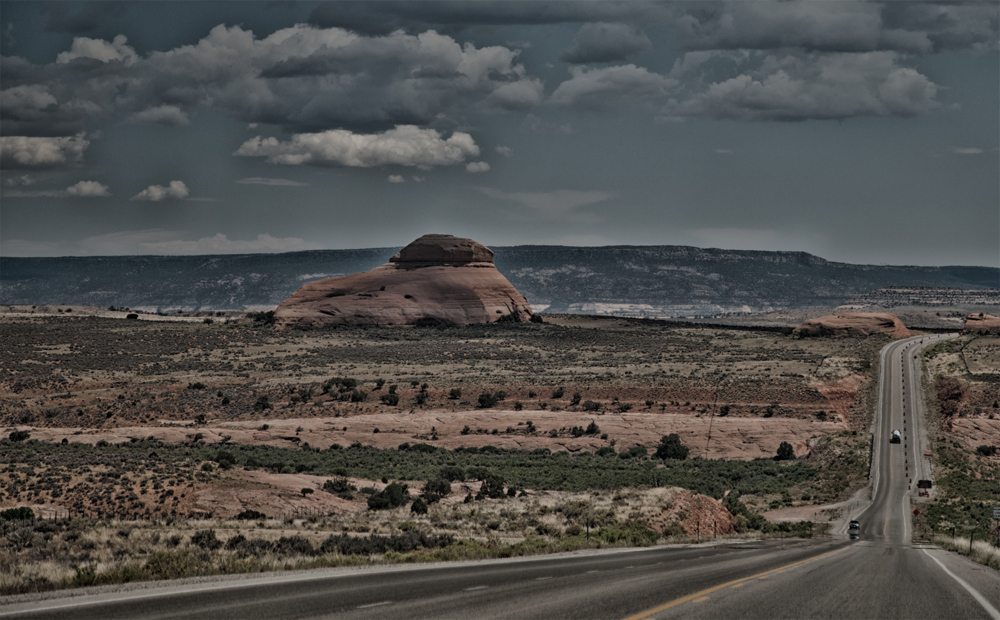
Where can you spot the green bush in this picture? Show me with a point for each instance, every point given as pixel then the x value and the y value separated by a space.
pixel 671 448
pixel 17 436
pixel 589 405
pixel 785 452
pixel 455 394
pixel 21 513
pixel 391 399
pixel 393 496
pixel 251 515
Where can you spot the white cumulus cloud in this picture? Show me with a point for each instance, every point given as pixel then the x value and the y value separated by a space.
pixel 35 152
pixel 176 190
pixel 396 178
pixel 506 151
pixel 88 189
pixel 608 86
pixel 406 145
pixel 477 166
pixel 161 115
pixel 98 49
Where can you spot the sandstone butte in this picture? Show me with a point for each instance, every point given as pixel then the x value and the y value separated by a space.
pixel 436 280
pixel 982 324
pixel 854 324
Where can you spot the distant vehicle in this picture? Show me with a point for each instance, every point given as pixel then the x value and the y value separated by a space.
pixel 855 536
pixel 855 525
pixel 896 438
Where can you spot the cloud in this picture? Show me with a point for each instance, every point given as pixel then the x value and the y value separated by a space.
pixel 477 166
pixel 83 189
pixel 19 180
pixel 176 190
pixel 601 42
pixel 966 150
pixel 812 86
pixel 605 87
pixel 25 101
pixel 406 145
pixel 269 181
pixel 171 242
pixel 303 78
pixel 169 115
pixel 32 152
pixel 725 151
pixel 88 189
pixel 558 205
pixel 506 151
pixel 382 18
pixel 736 238
pixel 851 26
pixel 395 178
pixel 101 50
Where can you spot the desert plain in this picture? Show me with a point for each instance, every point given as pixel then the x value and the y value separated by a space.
pixel 169 446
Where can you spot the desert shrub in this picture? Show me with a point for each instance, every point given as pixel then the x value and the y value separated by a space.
pixel 262 403
pixel 589 405
pixel 438 486
pixel 251 515
pixel 206 540
pixel 785 452
pixel 487 400
pixel 339 486
pixel 393 496
pixel 577 431
pixel 452 473
pixel 671 448
pixel 724 411
pixel 558 392
pixel 605 451
pixel 492 486
pixel 986 450
pixel 419 507
pixel 631 533
pixel 455 394
pixel 21 513
pixel 293 545
pixel 399 543
pixel 592 429
pixel 391 399
pixel 358 396
pixel 19 436
pixel 265 318
pixel 197 385
pixel 576 399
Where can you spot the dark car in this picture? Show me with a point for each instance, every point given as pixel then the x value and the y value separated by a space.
pixel 855 525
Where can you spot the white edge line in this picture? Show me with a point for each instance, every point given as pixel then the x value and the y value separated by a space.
pixel 975 594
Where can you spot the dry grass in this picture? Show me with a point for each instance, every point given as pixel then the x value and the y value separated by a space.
pixel 982 551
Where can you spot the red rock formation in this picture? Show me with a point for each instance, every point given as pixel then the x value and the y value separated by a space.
pixel 854 324
pixel 982 324
pixel 436 280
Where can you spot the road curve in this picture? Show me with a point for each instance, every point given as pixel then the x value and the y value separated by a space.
pixel 884 575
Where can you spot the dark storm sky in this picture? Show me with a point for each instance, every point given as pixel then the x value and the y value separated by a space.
pixel 863 132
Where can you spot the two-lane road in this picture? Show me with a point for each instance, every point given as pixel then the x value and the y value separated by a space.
pixel 884 575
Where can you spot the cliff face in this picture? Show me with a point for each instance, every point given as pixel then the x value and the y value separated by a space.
pixel 982 324
pixel 436 280
pixel 854 324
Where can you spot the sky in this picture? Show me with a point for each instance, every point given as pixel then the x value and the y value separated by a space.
pixel 862 132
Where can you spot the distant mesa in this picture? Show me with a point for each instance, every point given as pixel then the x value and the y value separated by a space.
pixel 854 324
pixel 982 324
pixel 436 280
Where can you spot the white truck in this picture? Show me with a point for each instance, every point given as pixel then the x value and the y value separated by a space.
pixel 896 438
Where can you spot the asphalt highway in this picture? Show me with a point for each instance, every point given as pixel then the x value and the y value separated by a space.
pixel 883 575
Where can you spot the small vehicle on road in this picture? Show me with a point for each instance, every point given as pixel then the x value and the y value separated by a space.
pixel 855 525
pixel 855 536
pixel 896 438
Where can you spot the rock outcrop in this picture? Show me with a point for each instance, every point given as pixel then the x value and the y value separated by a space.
pixel 436 280
pixel 982 324
pixel 854 324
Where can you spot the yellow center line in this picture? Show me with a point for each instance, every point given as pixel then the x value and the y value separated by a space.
pixel 700 600
pixel 703 593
